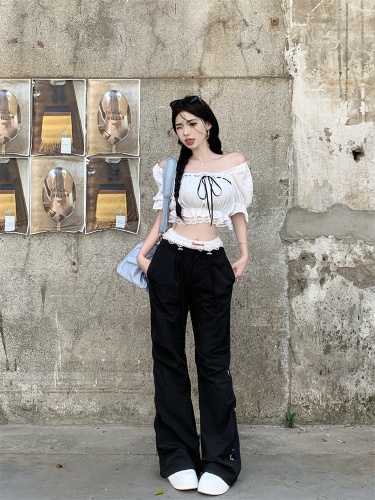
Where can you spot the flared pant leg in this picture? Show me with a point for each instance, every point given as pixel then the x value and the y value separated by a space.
pixel 210 303
pixel 182 279
pixel 177 440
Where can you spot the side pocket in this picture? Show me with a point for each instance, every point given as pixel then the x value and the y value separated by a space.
pixel 226 269
pixel 151 264
pixel 230 269
pixel 148 270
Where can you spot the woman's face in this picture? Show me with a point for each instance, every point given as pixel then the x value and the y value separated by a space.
pixel 191 130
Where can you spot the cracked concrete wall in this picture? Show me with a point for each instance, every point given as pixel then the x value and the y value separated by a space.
pixel 330 53
pixel 329 229
pixel 290 85
pixel 75 339
pixel 331 291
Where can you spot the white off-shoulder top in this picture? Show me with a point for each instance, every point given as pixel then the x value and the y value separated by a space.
pixel 209 197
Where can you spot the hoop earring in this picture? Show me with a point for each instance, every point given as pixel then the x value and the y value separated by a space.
pixel 208 134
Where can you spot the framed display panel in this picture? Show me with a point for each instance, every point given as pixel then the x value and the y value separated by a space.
pixel 112 194
pixel 57 194
pixel 15 117
pixel 14 195
pixel 58 119
pixel 113 117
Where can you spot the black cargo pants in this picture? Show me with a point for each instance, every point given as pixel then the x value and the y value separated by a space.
pixel 182 280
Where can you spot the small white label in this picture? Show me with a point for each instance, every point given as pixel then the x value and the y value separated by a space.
pixel 120 221
pixel 10 223
pixel 66 145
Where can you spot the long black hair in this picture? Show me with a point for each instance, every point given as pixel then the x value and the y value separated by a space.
pixel 199 108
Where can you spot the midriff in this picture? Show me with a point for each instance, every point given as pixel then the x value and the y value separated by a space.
pixel 199 232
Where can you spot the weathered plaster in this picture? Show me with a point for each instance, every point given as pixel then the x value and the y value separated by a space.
pixel 329 229
pixel 77 337
pixel 75 343
pixel 330 55
pixel 142 39
pixel 339 221
pixel 332 336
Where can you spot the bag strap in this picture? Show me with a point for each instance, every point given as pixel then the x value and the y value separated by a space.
pixel 169 173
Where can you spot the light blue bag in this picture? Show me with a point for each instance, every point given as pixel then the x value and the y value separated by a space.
pixel 128 267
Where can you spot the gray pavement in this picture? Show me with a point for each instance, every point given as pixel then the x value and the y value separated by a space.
pixel 110 462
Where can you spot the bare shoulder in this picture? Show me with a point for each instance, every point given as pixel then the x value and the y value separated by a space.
pixel 234 159
pixel 161 163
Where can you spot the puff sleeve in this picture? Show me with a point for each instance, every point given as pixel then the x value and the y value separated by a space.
pixel 157 172
pixel 243 189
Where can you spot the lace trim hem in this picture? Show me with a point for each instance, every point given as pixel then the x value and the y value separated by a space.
pixel 222 221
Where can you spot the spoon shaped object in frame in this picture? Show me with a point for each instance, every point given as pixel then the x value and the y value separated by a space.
pixel 59 194
pixel 10 117
pixel 114 117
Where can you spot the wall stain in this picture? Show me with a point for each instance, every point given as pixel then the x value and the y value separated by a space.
pixel 296 273
pixel 362 274
pixel 43 293
pixel 4 343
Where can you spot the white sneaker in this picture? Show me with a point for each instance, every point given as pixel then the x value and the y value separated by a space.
pixel 209 484
pixel 184 480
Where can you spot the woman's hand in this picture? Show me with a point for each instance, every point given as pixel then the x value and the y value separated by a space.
pixel 239 267
pixel 143 263
pixel 148 244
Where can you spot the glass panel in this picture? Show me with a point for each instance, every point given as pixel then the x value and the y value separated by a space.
pixel 113 117
pixel 14 195
pixel 57 194
pixel 112 195
pixel 15 117
pixel 58 113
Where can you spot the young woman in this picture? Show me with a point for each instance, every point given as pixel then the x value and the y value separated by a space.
pixel 190 272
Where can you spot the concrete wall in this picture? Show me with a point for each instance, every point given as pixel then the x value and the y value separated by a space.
pixel 75 337
pixel 329 229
